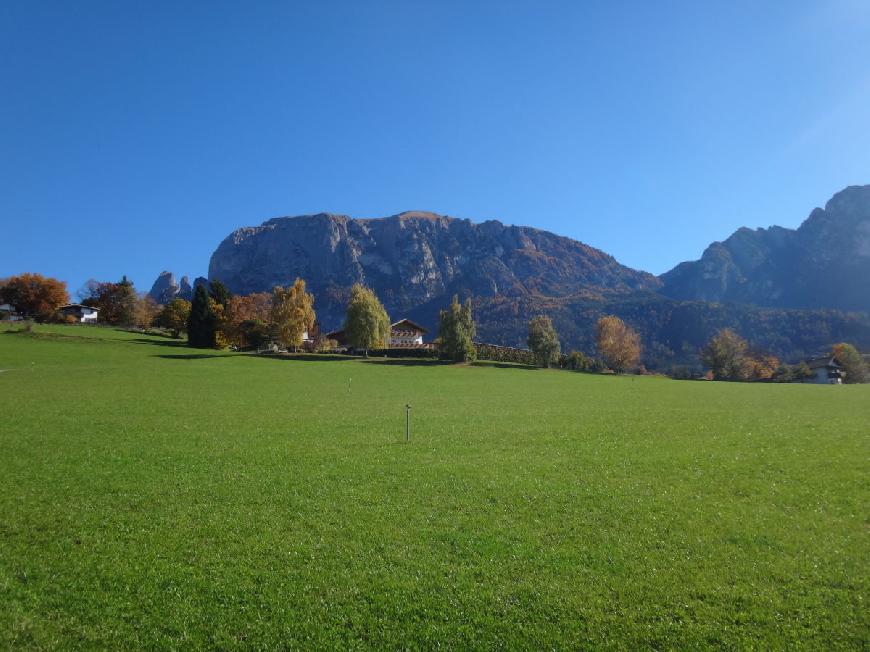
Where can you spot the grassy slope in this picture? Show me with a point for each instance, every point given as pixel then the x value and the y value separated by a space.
pixel 153 495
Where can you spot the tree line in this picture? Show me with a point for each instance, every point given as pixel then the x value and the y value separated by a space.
pixel 215 317
pixel 730 357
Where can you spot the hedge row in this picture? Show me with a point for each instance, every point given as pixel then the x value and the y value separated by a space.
pixel 504 354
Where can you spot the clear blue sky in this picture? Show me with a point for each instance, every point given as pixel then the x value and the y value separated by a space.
pixel 134 136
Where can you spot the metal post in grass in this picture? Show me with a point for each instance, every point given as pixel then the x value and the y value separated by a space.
pixel 408 422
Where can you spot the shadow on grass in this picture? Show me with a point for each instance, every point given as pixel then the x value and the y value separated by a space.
pixel 503 365
pixel 406 362
pixel 304 357
pixel 327 357
pixel 190 356
pixel 156 342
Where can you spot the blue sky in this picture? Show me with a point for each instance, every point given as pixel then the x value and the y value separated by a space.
pixel 135 136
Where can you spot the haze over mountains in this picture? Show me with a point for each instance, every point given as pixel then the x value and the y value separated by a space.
pixel 784 289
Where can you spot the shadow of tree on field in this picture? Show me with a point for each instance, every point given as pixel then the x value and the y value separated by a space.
pixel 190 356
pixel 406 362
pixel 304 357
pixel 170 343
pixel 504 365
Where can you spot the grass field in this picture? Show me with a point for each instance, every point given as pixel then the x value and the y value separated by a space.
pixel 157 496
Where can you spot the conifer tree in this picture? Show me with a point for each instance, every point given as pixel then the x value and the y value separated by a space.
pixel 219 292
pixel 543 341
pixel 201 323
pixel 457 331
pixel 126 302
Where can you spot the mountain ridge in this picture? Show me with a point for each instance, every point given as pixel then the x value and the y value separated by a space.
pixel 413 257
pixel 756 281
pixel 820 264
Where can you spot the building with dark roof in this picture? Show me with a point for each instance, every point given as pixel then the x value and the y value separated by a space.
pixel 406 334
pixel 826 371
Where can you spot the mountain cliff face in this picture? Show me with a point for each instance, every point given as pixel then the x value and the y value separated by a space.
pixel 165 288
pixel 789 282
pixel 825 263
pixel 414 261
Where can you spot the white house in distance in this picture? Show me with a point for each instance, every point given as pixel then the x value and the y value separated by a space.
pixel 825 370
pixel 84 314
pixel 7 311
pixel 405 334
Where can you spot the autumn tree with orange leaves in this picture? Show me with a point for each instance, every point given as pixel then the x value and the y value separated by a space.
pixel 760 366
pixel 34 295
pixel 618 343
pixel 246 318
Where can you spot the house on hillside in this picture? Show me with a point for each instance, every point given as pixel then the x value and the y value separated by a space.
pixel 405 334
pixel 339 337
pixel 311 336
pixel 7 311
pixel 826 371
pixel 82 314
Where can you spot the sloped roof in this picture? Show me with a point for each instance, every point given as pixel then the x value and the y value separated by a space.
pixel 409 325
pixel 824 361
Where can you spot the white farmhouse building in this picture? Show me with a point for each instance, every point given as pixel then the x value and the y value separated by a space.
pixel 7 311
pixel 406 334
pixel 84 314
pixel 825 370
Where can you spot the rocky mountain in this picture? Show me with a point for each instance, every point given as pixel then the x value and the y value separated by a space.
pixel 415 261
pixel 825 263
pixel 165 288
pixel 785 284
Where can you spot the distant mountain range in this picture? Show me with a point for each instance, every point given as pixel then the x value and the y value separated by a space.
pixel 823 264
pixel 786 290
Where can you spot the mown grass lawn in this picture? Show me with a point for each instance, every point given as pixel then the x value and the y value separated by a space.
pixel 157 496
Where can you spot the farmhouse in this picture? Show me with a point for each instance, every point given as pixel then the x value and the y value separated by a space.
pixel 339 336
pixel 405 334
pixel 83 314
pixel 825 370
pixel 7 311
pixel 310 336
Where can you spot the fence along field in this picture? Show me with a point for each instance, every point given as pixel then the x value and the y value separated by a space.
pixel 151 496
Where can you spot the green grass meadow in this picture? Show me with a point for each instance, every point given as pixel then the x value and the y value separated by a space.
pixel 155 496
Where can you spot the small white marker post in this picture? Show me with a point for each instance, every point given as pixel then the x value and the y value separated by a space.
pixel 408 422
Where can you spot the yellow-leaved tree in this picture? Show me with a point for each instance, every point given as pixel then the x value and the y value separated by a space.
pixel 618 343
pixel 366 324
pixel 292 313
